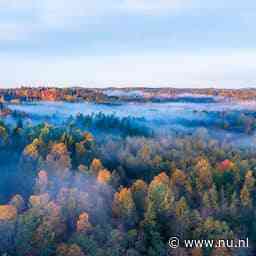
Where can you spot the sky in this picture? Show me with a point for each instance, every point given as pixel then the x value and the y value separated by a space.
pixel 174 43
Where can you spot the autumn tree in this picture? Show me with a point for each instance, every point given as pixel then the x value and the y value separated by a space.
pixel 3 134
pixel 8 216
pixel 96 166
pixel 159 207
pixel 58 160
pixel 68 200
pixel 249 181
pixel 160 196
pixel 69 250
pixel 42 182
pixel 180 182
pixel 88 137
pixel 80 151
pixel 139 191
pixel 210 203
pixel 51 229
pixel 104 176
pixel 25 230
pixel 39 200
pixel 247 189
pixel 124 207
pixel 18 202
pixel 178 178
pixel 83 225
pixel 203 174
pixel 215 229
pixel 245 197
pixel 32 150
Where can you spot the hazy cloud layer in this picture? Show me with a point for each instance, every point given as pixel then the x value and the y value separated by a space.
pixel 70 35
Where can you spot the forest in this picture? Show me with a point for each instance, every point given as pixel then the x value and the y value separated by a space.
pixel 127 128
pixel 102 185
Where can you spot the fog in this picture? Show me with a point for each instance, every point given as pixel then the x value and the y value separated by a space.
pixel 163 118
pixel 150 111
pixel 231 123
pixel 71 164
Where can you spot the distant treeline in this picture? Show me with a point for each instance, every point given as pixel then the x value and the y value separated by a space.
pixel 119 94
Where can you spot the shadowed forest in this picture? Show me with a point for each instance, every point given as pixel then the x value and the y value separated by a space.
pixel 98 180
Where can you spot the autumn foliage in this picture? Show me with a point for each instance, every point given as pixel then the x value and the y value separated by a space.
pixel 7 212
pixel 78 193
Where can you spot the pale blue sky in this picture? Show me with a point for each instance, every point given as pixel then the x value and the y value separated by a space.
pixel 180 43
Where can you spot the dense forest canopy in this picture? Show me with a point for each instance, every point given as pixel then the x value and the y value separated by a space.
pixel 107 185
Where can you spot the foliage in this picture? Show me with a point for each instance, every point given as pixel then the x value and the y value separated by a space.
pixel 82 194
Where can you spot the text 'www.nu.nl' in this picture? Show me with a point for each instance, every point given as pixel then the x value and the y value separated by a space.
pixel 175 242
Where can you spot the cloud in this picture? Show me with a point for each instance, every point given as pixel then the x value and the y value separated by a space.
pixel 230 69
pixel 151 37
pixel 66 14
pixel 62 13
pixel 16 4
pixel 11 32
pixel 36 16
pixel 154 7
pixel 20 20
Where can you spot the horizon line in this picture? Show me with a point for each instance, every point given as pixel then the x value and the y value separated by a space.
pixel 104 87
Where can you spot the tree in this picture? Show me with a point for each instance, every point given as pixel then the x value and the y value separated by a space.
pixel 80 151
pixel 39 201
pixel 215 229
pixel 41 182
pixel 157 216
pixel 144 153
pixel 178 178
pixel 25 230
pixel 83 225
pixel 124 207
pixel 104 176
pixel 18 202
pixel 245 197
pixel 225 165
pixel 8 216
pixel 67 198
pixel 180 182
pixel 204 174
pixel 249 180
pixel 32 150
pixel 69 250
pixel 181 207
pixel 139 191
pixel 51 229
pixel 44 132
pixel 58 160
pixel 210 202
pixel 160 195
pixel 88 137
pixel 96 166
pixel 3 134
pixel 7 212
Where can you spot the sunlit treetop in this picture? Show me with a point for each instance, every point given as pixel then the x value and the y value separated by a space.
pixel 7 212
pixel 104 176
